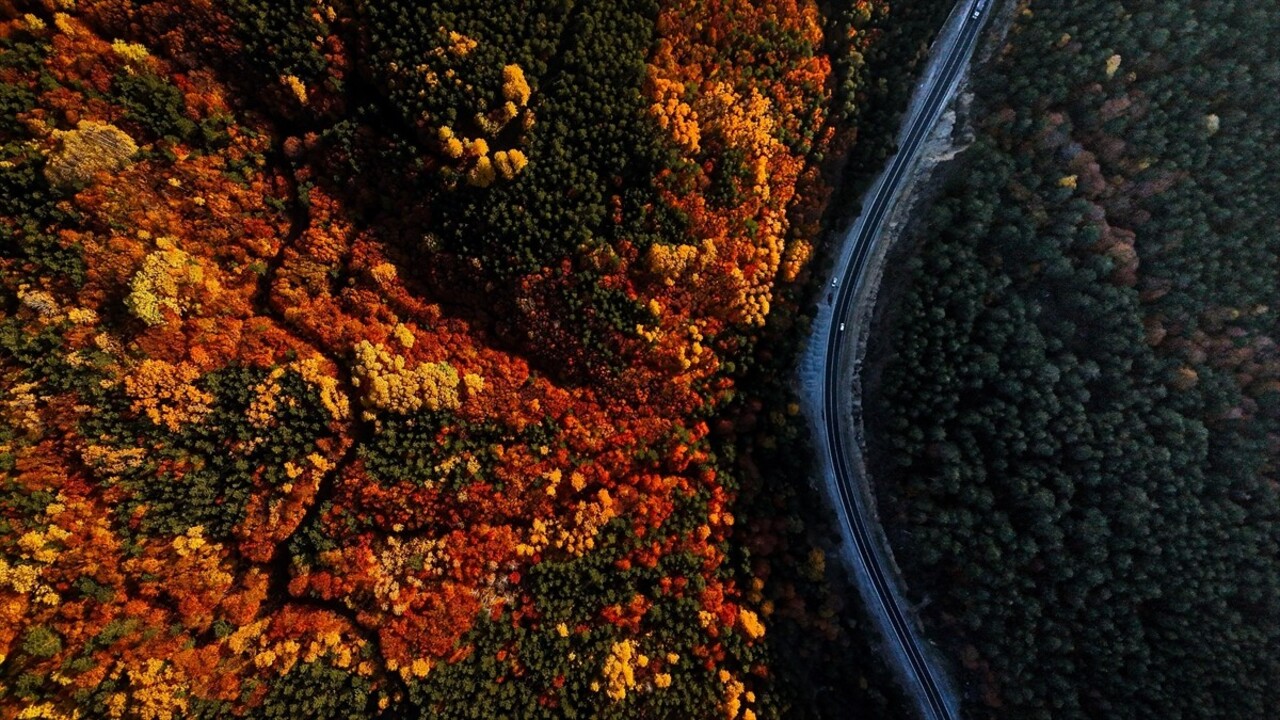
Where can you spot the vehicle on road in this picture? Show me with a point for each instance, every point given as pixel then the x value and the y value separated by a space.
pixel 870 559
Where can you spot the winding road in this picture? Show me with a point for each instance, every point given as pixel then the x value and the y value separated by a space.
pixel 837 342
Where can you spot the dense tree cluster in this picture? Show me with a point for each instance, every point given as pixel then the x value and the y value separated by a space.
pixel 400 359
pixel 1077 428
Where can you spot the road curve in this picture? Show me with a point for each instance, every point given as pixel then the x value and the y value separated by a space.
pixel 836 342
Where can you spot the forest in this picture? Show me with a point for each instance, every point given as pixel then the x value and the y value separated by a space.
pixel 1076 429
pixel 382 359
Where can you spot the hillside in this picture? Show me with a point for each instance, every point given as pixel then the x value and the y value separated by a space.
pixel 1077 432
pixel 378 359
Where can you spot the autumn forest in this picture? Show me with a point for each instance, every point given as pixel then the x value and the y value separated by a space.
pixel 438 359
pixel 377 359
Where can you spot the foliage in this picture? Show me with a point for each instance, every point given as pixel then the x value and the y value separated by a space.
pixel 390 359
pixel 91 148
pixel 1075 421
pixel 153 103
pixel 316 690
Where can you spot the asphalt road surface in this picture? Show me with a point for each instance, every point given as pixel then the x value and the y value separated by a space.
pixel 924 681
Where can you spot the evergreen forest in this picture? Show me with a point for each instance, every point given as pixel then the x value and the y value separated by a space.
pixel 1077 426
